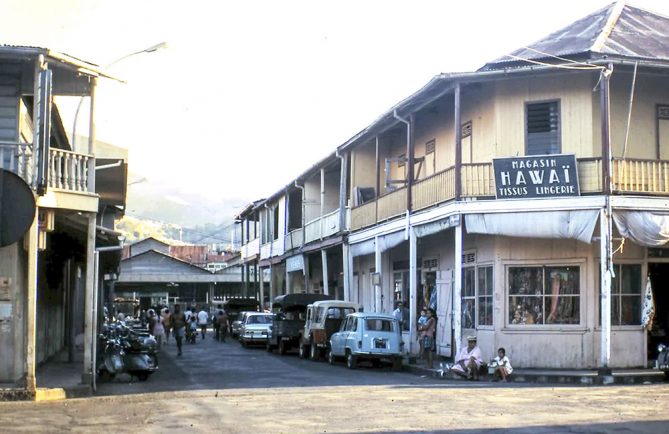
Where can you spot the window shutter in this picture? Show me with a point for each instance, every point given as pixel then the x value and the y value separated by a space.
pixel 543 128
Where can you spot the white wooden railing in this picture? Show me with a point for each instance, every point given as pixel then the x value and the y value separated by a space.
pixel 322 227
pixel 69 170
pixel 17 158
pixel 293 240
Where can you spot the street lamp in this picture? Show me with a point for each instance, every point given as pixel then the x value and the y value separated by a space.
pixel 150 49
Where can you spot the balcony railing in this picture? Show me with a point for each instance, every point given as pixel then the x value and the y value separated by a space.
pixel 628 175
pixel 293 239
pixel 322 227
pixel 69 170
pixel 640 176
pixel 392 204
pixel 433 190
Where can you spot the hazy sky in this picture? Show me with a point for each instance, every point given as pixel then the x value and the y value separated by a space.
pixel 249 94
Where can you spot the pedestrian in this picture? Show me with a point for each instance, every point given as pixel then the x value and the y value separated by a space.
pixel 422 321
pixel 156 327
pixel 188 313
pixel 223 325
pixel 428 337
pixel 191 330
pixel 214 322
pixel 178 325
pixel 166 324
pixel 501 366
pixel 402 315
pixel 202 320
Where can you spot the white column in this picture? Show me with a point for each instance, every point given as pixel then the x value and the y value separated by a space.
pixel 289 289
pixel 89 320
pixel 457 290
pixel 348 271
pixel 605 297
pixel 377 269
pixel 272 289
pixel 31 305
pixel 261 279
pixel 412 287
pixel 324 260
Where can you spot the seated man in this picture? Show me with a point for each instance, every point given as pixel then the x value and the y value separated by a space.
pixel 468 361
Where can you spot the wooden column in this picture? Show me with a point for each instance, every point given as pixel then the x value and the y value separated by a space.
pixel 31 306
pixel 347 267
pixel 413 287
pixel 377 269
pixel 324 261
pixel 605 111
pixel 89 300
pixel 605 292
pixel 410 158
pixel 457 290
pixel 458 142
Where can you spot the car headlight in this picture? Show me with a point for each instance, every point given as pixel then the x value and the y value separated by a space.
pixel 661 348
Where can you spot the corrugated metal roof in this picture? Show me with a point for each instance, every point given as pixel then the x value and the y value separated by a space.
pixel 617 30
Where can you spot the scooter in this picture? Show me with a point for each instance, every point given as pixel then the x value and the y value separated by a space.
pixel 127 351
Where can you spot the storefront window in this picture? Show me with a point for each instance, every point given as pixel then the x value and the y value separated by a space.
pixel 476 298
pixel 544 295
pixel 625 295
pixel 485 290
pixel 468 298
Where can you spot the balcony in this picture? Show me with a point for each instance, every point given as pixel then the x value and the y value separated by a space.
pixel 293 240
pixel 322 227
pixel 69 183
pixel 628 176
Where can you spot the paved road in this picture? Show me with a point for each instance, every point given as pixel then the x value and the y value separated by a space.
pixel 219 387
pixel 213 365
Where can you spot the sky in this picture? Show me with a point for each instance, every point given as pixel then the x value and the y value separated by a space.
pixel 249 94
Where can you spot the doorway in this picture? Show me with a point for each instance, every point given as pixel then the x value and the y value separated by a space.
pixel 659 333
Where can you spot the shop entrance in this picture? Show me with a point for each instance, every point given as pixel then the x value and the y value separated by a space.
pixel 659 333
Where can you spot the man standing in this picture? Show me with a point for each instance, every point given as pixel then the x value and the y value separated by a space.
pixel 401 314
pixel 222 321
pixel 178 324
pixel 202 319
pixel 214 322
pixel 468 361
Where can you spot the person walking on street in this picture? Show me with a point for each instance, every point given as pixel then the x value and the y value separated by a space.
pixel 214 322
pixel 202 319
pixel 178 324
pixel 166 324
pixel 222 320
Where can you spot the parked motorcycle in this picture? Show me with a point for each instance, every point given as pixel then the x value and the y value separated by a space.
pixel 127 350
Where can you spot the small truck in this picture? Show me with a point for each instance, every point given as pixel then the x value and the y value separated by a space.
pixel 323 318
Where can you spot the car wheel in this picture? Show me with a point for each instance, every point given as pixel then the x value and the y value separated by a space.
pixel 331 357
pixel 376 363
pixel 397 364
pixel 315 352
pixel 302 351
pixel 282 347
pixel 351 361
pixel 268 346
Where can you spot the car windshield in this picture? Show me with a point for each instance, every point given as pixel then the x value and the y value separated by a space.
pixel 378 325
pixel 259 319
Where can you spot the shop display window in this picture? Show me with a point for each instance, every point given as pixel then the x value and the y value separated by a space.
pixel 625 295
pixel 544 295
pixel 477 296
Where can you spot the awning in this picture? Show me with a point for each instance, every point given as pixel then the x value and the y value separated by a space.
pixel 645 228
pixel 386 242
pixel 438 226
pixel 577 225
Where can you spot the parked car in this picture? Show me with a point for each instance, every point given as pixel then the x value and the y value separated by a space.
pixel 322 320
pixel 234 306
pixel 236 325
pixel 367 336
pixel 289 313
pixel 255 328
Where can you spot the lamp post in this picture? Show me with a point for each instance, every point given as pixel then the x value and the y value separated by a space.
pixel 150 49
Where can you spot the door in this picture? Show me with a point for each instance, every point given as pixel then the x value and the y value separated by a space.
pixel 659 333
pixel 444 313
pixel 337 339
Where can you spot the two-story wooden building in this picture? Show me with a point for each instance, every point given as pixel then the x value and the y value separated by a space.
pixel 526 201
pixel 47 297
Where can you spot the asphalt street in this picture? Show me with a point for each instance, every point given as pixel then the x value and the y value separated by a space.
pixel 222 387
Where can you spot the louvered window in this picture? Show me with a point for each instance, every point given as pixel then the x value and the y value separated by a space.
pixel 543 128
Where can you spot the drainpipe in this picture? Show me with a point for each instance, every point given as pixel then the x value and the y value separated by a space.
pixel 409 163
pixel 322 201
pixel 303 210
pixel 342 191
pixel 271 234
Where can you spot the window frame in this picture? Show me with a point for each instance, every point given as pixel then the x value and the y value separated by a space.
pixel 559 129
pixel 642 289
pixel 477 295
pixel 582 294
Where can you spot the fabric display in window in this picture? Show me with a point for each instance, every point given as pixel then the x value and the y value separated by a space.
pixel 648 312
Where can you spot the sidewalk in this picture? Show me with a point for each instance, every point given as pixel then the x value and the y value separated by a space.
pixel 58 379
pixel 552 376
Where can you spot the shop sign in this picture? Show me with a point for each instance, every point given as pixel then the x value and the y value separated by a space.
pixel 295 263
pixel 536 176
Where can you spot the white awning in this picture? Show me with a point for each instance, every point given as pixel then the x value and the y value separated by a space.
pixel 437 226
pixel 645 228
pixel 386 242
pixel 577 225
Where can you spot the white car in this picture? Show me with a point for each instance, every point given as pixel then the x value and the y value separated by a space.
pixel 368 336
pixel 255 328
